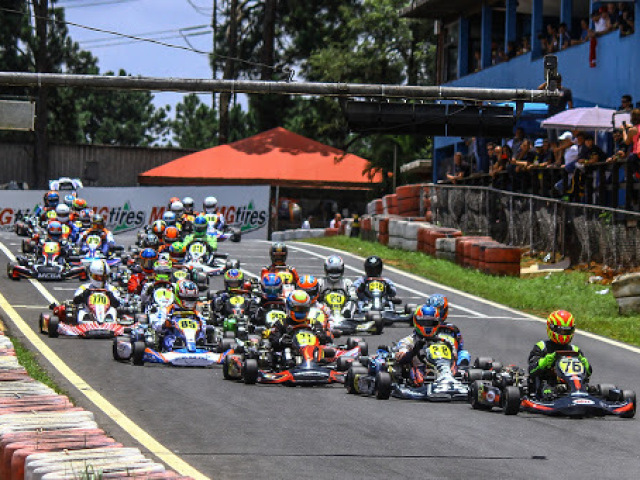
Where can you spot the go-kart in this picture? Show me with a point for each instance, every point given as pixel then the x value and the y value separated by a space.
pixel 49 265
pixel 572 396
pixel 97 319
pixel 377 301
pixel 342 320
pixel 25 226
pixel 304 362
pixel 91 250
pixel 188 349
pixel 202 257
pixel 443 380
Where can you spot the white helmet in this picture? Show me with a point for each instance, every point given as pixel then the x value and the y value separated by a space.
pixel 210 204
pixel 177 208
pixel 63 211
pixel 187 203
pixel 99 273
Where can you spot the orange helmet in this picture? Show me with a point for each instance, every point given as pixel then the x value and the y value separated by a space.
pixel 171 234
pixel 298 306
pixel 560 327
pixel 309 284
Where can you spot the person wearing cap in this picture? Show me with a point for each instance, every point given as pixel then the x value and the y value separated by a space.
pixel 569 151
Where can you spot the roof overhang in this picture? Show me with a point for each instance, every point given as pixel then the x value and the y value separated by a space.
pixel 149 180
pixel 438 9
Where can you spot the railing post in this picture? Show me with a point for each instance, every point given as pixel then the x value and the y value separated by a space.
pixel 614 201
pixel 628 183
pixel 554 240
pixel 531 249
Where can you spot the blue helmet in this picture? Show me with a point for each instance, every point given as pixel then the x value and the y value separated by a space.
pixel 200 224
pixel 69 199
pixel 425 321
pixel 148 257
pixel 440 302
pixel 271 286
pixel 169 218
pixel 51 199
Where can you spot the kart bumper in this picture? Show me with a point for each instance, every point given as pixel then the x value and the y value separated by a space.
pixel 577 406
pixel 183 358
pixel 302 376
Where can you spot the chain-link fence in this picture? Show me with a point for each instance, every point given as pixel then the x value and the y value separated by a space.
pixel 583 233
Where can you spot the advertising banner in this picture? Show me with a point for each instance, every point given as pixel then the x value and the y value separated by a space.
pixel 130 208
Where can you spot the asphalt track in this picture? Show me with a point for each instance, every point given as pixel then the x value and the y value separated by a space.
pixel 231 430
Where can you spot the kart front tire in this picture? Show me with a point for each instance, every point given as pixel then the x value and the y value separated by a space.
pixel 474 374
pixel 226 344
pixel 350 380
pixel 137 353
pixel 379 324
pixel 606 390
pixel 511 400
pixel 483 363
pixel 226 368
pixel 630 396
pixel 250 369
pixel 383 385
pixel 343 364
pixel 52 330
pixel 364 348
pixel 41 323
pixel 473 396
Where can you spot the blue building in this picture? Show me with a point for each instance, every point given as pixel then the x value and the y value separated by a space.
pixel 501 43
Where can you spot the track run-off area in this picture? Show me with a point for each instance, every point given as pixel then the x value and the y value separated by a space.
pixel 201 425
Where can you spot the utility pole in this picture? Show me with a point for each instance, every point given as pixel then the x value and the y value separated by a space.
pixel 229 72
pixel 214 59
pixel 40 172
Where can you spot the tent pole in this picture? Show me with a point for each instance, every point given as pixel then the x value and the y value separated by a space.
pixel 275 222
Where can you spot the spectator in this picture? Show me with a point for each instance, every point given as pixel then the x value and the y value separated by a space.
pixel 335 223
pixel 541 156
pixel 503 158
pixel 626 22
pixel 491 153
pixel 516 141
pixel 525 157
pixel 604 15
pixel 600 25
pixel 584 31
pixel 614 16
pixel 570 154
pixel 460 169
pixel 526 44
pixel 544 43
pixel 547 153
pixel 631 136
pixel 620 148
pixel 564 39
pixel 306 225
pixel 594 153
pixel 552 38
pixel 355 225
pixel 511 51
pixel 626 103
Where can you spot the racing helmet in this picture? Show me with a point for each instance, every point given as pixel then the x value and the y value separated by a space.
pixel 210 205
pixel 151 241
pixel 172 200
pixel 85 218
pixel 99 273
pixel 334 268
pixel 97 221
pixel 175 254
pixel 425 321
pixel 162 271
pixel 233 279
pixel 177 208
pixel 148 258
pixel 188 204
pixel 298 306
pixel 441 303
pixel 373 266
pixel 54 230
pixel 271 285
pixel 171 234
pixel 69 199
pixel 169 218
pixel 200 224
pixel 232 263
pixel 560 327
pixel 79 204
pixel 309 284
pixel 278 253
pixel 158 227
pixel 51 199
pixel 63 212
pixel 186 294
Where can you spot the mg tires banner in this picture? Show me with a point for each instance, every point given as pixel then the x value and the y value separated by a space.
pixel 130 208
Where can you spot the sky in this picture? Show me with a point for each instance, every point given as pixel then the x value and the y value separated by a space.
pixel 161 18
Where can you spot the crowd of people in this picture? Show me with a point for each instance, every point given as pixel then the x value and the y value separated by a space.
pixel 556 37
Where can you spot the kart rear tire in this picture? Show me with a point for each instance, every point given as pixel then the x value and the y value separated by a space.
pixel 343 364
pixel 383 386
pixel 349 381
pixel 409 308
pixel 41 323
pixel 52 330
pixel 483 363
pixel 137 353
pixel 114 351
pixel 474 374
pixel 473 396
pixel 364 348
pixel 511 400
pixel 225 368
pixel 629 395
pixel 250 371
pixel 226 344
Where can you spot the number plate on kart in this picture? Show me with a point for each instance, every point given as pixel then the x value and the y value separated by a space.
pixel 335 299
pixel 439 351
pixel 274 316
pixel 51 248
pixel 187 324
pixel 197 249
pixel 376 287
pixel 163 296
pixel 306 338
pixel 570 366
pixel 287 277
pixel 98 299
pixel 180 274
pixel 237 300
pixel 93 240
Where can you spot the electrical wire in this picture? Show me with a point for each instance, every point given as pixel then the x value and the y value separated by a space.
pixel 147 34
pixel 201 10
pixel 98 3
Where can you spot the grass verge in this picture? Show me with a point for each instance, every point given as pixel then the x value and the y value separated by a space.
pixel 27 359
pixel 595 312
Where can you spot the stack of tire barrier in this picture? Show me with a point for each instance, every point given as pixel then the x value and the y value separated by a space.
pixel 428 236
pixel 409 200
pixel 375 207
pixel 396 232
pixel 383 231
pixel 366 229
pixel 626 290
pixel 42 435
pixel 488 256
pixel 390 204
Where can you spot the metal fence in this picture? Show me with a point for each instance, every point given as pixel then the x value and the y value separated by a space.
pixel 583 233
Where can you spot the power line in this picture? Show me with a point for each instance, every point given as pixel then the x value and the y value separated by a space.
pixel 99 3
pixel 146 34
pixel 114 43
pixel 201 10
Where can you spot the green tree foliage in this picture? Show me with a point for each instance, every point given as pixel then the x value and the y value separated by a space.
pixel 195 125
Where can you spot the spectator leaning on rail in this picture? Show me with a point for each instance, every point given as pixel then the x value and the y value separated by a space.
pixel 460 169
pixel 620 148
pixel 631 136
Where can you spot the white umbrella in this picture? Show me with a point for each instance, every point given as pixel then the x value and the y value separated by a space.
pixel 592 118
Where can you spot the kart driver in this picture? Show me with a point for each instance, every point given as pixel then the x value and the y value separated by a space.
pixel 51 199
pixel 278 254
pixel 98 228
pixel 99 280
pixel 234 285
pixel 210 207
pixel 199 235
pixel 271 288
pixel 310 284
pixel 372 269
pixel 542 359
pixel 142 271
pixel 185 294
pixel 427 325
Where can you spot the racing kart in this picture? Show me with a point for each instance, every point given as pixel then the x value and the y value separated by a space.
pixel 25 226
pixel 97 319
pixel 304 362
pixel 572 395
pixel 90 251
pixel 49 265
pixel 378 302
pixel 342 321
pixel 443 380
pixel 202 257
pixel 145 345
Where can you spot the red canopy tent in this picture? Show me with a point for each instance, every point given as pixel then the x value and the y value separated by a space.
pixel 275 157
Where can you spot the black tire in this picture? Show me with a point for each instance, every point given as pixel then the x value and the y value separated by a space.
pixel 379 323
pixel 343 364
pixel 629 395
pixel 606 390
pixel 409 308
pixel 483 363
pixel 474 375
pixel 225 368
pixel 10 267
pixel 52 330
pixel 496 366
pixel 351 343
pixel 383 385
pixel 229 335
pixel 137 353
pixel 41 323
pixel 250 371
pixel 226 344
pixel 350 379
pixel 235 237
pixel 473 396
pixel 114 350
pixel 364 348
pixel 511 401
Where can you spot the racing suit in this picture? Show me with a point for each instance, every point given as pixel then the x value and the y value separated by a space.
pixel 344 284
pixel 407 349
pixel 360 284
pixel 168 332
pixel 200 237
pixel 282 331
pixel 542 364
pixel 105 235
pixel 137 279
pixel 81 296
pixel 281 268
